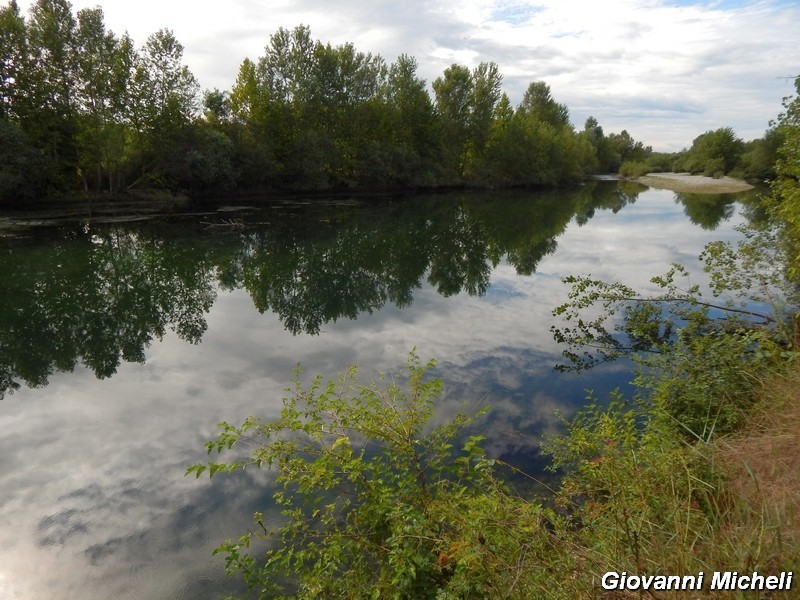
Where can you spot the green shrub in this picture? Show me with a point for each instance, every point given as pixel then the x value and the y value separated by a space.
pixel 634 169
pixel 376 503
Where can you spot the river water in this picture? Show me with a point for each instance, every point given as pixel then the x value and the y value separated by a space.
pixel 123 344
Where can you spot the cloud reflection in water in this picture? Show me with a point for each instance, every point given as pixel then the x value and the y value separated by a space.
pixel 93 501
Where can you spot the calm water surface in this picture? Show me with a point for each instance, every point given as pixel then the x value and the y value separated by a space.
pixel 122 345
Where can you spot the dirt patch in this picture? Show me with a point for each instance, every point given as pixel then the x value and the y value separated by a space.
pixel 695 184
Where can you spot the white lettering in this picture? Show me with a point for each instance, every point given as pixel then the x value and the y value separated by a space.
pixel 610 581
pixel 722 581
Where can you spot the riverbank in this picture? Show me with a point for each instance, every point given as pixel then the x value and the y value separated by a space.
pixel 695 184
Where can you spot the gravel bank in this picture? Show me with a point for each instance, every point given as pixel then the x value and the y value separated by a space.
pixel 684 182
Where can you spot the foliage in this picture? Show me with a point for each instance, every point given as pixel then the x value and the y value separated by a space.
pixel 645 500
pixel 377 503
pixel 714 153
pixel 618 152
pixel 634 169
pixel 23 172
pixel 760 156
pixel 642 477
pixel 633 485
pixel 698 356
pixel 306 115
pixel 786 185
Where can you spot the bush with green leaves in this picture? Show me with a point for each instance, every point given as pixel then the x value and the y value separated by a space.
pixel 634 169
pixel 377 503
pixel 636 490
pixel 786 184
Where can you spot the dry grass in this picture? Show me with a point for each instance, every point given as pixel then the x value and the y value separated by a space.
pixel 762 463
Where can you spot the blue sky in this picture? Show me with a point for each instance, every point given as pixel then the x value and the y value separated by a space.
pixel 665 70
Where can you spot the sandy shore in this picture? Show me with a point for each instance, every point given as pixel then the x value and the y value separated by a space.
pixel 697 184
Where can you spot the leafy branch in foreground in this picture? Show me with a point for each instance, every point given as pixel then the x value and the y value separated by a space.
pixel 695 346
pixel 375 503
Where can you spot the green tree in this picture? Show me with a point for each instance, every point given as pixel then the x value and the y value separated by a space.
pixel 627 148
pixel 536 145
pixel 13 50
pixel 163 101
pixel 714 153
pixel 486 91
pixel 101 139
pixel 786 185
pixel 287 64
pixel 245 95
pixel 313 105
pixel 465 104
pixel 216 106
pixel 23 170
pixel 52 47
pixel 539 104
pixel 760 156
pixel 278 91
pixel 170 88
pixel 454 96
pixel 48 84
pixel 341 86
pixel 209 161
pixel 408 121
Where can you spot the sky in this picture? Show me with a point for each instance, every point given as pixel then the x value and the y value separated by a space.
pixel 664 70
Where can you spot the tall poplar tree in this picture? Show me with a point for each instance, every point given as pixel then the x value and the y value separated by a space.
pixel 49 110
pixel 12 55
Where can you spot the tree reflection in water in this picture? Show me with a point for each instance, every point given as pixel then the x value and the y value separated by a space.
pixel 100 295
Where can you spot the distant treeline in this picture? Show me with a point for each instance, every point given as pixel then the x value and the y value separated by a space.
pixel 84 109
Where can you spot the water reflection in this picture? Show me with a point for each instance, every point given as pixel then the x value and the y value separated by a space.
pixel 93 502
pixel 98 296
pixel 706 210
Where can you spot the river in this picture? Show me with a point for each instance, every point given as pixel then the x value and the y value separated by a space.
pixel 122 345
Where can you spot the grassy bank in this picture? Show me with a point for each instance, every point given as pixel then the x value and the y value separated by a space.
pixel 652 502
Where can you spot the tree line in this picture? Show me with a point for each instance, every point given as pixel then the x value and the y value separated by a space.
pixel 82 108
pixel 715 153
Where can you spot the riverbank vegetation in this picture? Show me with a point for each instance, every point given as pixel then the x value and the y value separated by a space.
pixel 83 110
pixel 696 473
